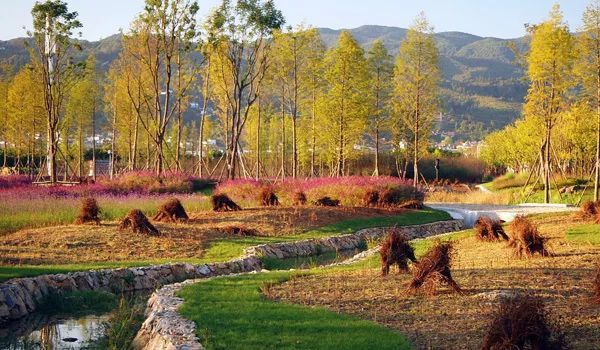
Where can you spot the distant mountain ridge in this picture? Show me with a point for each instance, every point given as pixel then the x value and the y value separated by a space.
pixel 482 89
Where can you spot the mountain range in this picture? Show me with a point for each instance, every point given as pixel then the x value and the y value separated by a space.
pixel 482 88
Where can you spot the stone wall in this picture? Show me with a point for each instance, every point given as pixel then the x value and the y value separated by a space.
pixel 19 297
pixel 352 241
pixel 164 328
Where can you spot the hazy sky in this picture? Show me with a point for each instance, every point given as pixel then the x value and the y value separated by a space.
pixel 498 18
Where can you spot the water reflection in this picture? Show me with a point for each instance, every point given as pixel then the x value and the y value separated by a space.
pixel 52 332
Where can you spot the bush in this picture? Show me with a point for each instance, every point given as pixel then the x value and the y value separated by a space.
pixel 327 202
pixel 268 197
pixel 221 202
pixel 526 239
pixel 434 268
pixel 238 231
pixel 591 210
pixel 521 322
pixel 371 198
pixel 487 229
pixel 88 212
pixel 396 250
pixel 137 222
pixel 299 198
pixel 171 211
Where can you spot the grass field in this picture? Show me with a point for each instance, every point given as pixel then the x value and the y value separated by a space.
pixel 77 248
pixel 232 313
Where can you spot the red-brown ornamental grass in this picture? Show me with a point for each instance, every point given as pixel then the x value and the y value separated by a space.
pixel 137 222
pixel 590 210
pixel 487 229
pixel 221 202
pixel 327 202
pixel 521 322
pixel 171 211
pixel 371 198
pixel 268 198
pixel 526 239
pixel 433 270
pixel 299 198
pixel 88 213
pixel 238 231
pixel 412 204
pixel 395 250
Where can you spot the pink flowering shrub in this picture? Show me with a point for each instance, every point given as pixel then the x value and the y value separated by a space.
pixel 349 190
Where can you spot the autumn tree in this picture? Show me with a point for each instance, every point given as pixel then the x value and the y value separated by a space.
pixel 416 86
pixel 549 70
pixel 165 28
pixel 81 108
pixel 241 30
pixel 588 69
pixel 381 69
pixel 346 101
pixel 53 27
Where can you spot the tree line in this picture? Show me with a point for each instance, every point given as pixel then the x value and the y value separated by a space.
pixel 277 102
pixel 559 131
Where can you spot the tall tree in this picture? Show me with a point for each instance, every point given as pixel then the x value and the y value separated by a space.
pixel 241 31
pixel 81 107
pixel 53 27
pixel 166 27
pixel 588 69
pixel 549 69
pixel 346 102
pixel 416 84
pixel 381 69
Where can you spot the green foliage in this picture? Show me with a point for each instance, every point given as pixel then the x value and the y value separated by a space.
pixel 253 321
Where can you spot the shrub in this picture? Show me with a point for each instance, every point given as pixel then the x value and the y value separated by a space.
pixel 327 202
pixel 521 322
pixel 591 210
pixel 371 198
pixel 221 202
pixel 238 231
pixel 396 250
pixel 299 198
pixel 487 229
pixel 526 239
pixel 88 212
pixel 268 197
pixel 137 222
pixel 433 269
pixel 412 204
pixel 171 211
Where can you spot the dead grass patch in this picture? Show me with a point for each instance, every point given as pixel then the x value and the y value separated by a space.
pixel 171 211
pixel 526 239
pixel 89 212
pixel 137 222
pixel 454 321
pixel 487 229
pixel 395 250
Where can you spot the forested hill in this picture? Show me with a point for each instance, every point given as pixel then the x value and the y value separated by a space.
pixel 482 88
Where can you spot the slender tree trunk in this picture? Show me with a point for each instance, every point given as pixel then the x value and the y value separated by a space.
pixel 179 116
pixel 295 115
pixel 134 156
pixel 94 143
pixel 113 142
pixel 376 172
pixel 258 140
pixel 205 99
pixel 597 182
pixel 314 136
pixel 283 153
pixel 547 164
pixel 80 146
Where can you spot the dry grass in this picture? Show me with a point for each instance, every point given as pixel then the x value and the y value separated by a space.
pixel 453 321
pixel 395 250
pixel 104 243
pixel 471 197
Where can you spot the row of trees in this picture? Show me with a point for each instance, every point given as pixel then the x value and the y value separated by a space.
pixel 560 128
pixel 275 99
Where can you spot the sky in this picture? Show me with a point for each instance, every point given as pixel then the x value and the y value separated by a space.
pixel 496 18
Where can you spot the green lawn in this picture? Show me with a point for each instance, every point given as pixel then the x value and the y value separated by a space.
pixel 226 249
pixel 232 313
pixel 587 234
